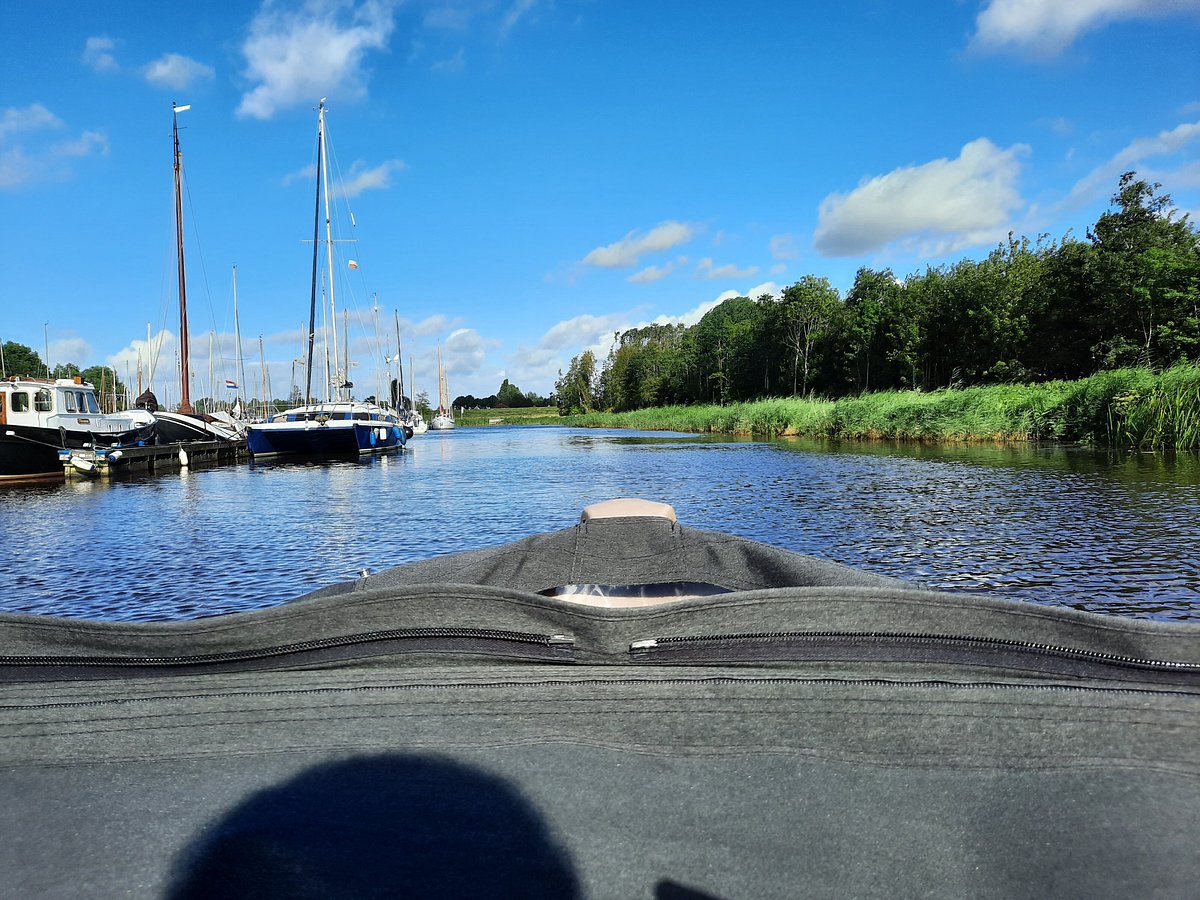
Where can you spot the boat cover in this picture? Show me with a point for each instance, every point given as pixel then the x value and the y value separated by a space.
pixel 446 729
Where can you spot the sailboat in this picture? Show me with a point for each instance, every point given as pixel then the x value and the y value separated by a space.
pixel 340 425
pixel 185 424
pixel 444 420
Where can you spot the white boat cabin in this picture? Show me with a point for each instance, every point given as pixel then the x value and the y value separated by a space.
pixel 68 403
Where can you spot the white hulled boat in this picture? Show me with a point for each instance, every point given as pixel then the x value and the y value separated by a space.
pixel 39 417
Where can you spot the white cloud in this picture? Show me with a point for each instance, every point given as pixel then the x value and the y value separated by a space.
pixel 28 118
pixel 16 169
pixel 625 252
pixel 783 246
pixel 713 272
pixel 296 56
pixel 515 12
pixel 1047 27
pixel 536 368
pixel 74 350
pixel 652 273
pixel 935 208
pixel 84 145
pixel 1102 180
pixel 361 179
pixel 657 273
pixel 97 54
pixel 305 175
pixel 464 351
pixel 447 17
pixel 581 330
pixel 175 71
pixel 451 65
pixel 25 156
pixel 431 326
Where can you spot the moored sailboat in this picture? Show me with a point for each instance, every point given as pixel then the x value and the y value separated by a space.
pixel 444 420
pixel 340 425
pixel 184 424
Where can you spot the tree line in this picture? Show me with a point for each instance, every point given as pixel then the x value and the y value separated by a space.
pixel 509 396
pixel 1128 294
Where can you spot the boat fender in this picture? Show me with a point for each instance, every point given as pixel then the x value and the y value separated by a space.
pixel 373 438
pixel 183 457
pixel 408 432
pixel 86 466
pixel 115 455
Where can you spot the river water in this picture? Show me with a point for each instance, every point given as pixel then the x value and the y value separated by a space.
pixel 1110 533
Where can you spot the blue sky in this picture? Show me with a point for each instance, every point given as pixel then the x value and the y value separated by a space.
pixel 528 176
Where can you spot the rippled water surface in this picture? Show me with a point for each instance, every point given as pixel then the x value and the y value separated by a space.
pixel 1111 533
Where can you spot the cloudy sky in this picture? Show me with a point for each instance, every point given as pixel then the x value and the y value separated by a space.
pixel 518 179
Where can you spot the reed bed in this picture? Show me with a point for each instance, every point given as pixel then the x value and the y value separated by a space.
pixel 1133 408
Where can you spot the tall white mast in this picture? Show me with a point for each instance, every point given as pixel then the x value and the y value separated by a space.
pixel 324 175
pixel 238 367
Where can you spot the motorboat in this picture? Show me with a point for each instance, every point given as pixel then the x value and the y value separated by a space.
pixel 627 707
pixel 39 417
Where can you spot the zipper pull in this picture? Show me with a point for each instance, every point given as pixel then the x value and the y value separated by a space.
pixel 561 639
pixel 643 645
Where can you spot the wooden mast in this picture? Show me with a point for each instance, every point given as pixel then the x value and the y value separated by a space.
pixel 185 404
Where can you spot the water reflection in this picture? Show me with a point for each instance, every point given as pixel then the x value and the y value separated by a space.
pixel 1114 533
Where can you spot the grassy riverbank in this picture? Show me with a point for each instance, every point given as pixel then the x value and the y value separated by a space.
pixel 526 415
pixel 1121 408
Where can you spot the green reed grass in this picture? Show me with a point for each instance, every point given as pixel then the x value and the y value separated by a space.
pixel 1124 408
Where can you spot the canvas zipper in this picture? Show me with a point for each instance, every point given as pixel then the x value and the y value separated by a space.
pixel 482 641
pixel 906 647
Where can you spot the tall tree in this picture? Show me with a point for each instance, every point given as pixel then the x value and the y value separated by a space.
pixel 1148 268
pixel 867 305
pixel 809 309
pixel 577 388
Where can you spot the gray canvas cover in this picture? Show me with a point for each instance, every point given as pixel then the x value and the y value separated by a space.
pixel 446 729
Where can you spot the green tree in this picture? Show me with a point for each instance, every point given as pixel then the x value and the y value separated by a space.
pixel 1147 277
pixel 865 311
pixel 510 396
pixel 577 388
pixel 423 406
pixel 810 306
pixel 23 361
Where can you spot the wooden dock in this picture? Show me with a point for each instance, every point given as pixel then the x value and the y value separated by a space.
pixel 104 462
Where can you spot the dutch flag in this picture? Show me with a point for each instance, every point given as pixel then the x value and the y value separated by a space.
pixel 232 385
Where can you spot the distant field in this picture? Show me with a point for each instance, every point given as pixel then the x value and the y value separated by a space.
pixel 529 415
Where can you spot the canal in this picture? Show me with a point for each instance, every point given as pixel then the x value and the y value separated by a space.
pixel 1114 533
